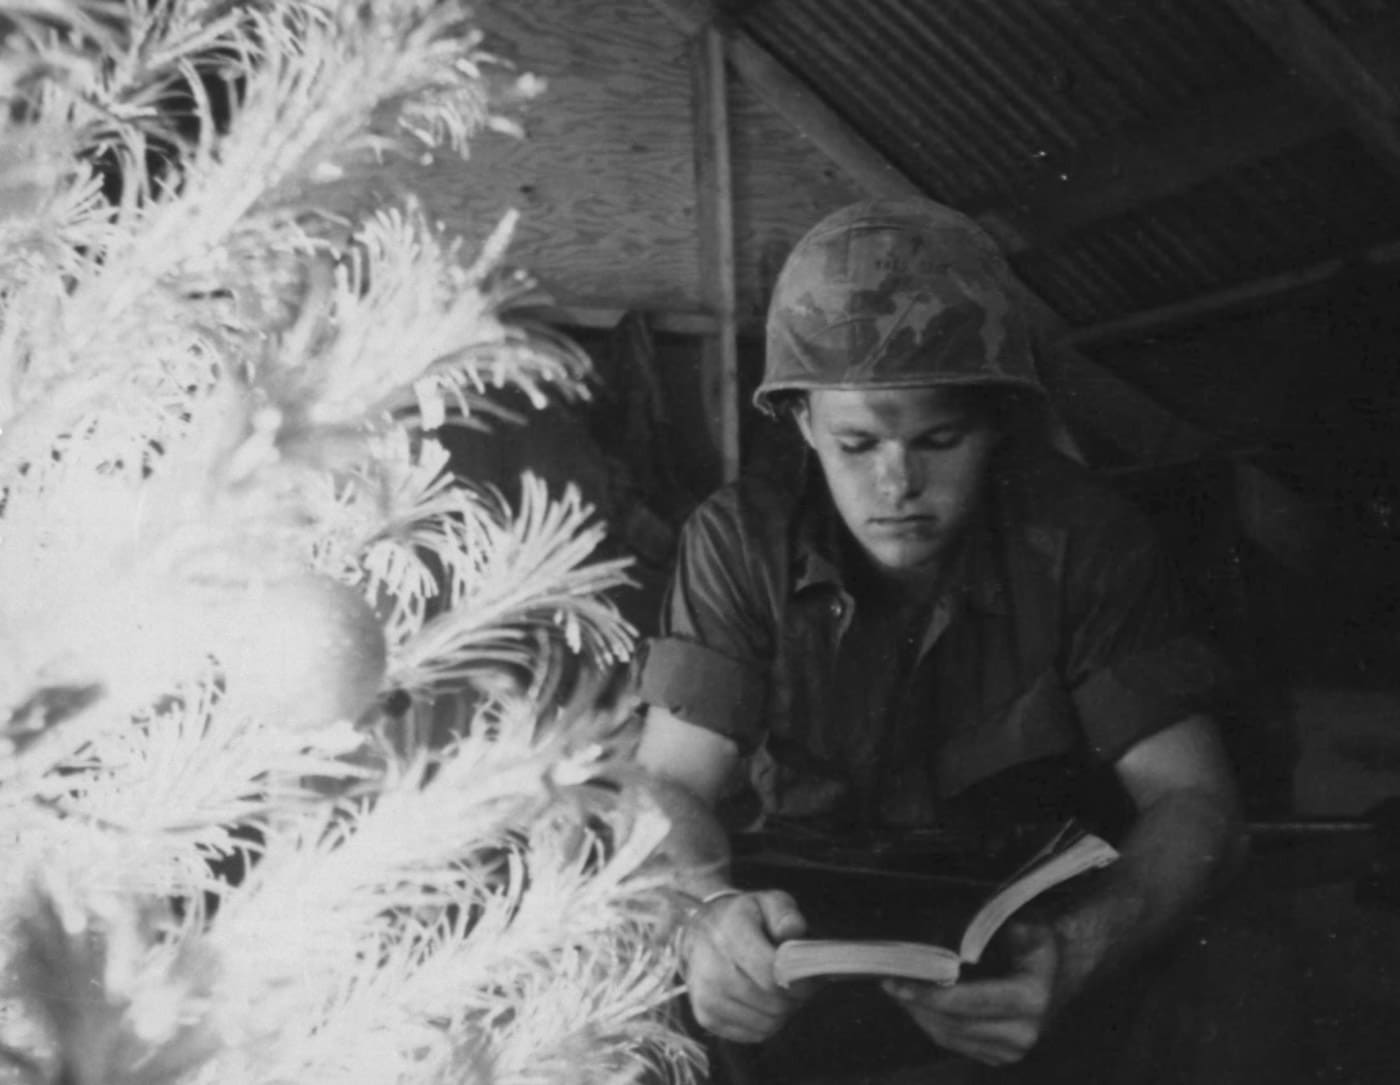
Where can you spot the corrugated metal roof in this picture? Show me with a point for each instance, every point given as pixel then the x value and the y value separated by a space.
pixel 1271 217
pixel 977 101
pixel 1352 15
pixel 982 95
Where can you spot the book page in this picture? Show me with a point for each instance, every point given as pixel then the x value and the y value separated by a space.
pixel 1086 852
pixel 802 958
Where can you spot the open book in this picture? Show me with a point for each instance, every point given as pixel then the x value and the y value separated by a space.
pixel 1070 853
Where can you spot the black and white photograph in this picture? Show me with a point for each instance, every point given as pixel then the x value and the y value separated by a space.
pixel 699 542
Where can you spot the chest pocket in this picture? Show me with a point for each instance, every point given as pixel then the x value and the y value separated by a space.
pixel 1037 724
pixel 800 694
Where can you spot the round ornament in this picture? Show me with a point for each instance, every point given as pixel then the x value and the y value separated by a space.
pixel 303 652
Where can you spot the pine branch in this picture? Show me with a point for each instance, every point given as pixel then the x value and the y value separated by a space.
pixel 217 398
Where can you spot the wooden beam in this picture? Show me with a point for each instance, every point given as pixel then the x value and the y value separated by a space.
pixel 604 316
pixel 1369 98
pixel 1094 398
pixel 1164 318
pixel 714 192
pixel 1215 135
pixel 801 107
pixel 796 102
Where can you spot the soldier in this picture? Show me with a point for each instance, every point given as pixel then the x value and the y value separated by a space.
pixel 945 623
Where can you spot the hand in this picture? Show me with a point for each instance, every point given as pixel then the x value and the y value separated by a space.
pixel 995 1021
pixel 728 965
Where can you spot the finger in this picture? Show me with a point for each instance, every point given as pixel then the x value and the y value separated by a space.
pixel 802 990
pixel 993 1052
pixel 752 956
pixel 723 984
pixel 993 1042
pixel 733 1022
pixel 781 916
pixel 1032 947
pixel 994 999
pixel 733 1007
pixel 1023 938
pixel 731 961
pixel 1015 1036
pixel 751 981
pixel 718 981
pixel 733 1002
pixel 994 1046
pixel 987 1054
pixel 740 1034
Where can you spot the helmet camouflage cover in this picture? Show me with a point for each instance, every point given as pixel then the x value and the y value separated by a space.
pixel 895 294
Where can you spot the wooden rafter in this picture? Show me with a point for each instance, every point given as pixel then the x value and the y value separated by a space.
pixel 1368 95
pixel 604 316
pixel 793 100
pixel 715 217
pixel 1167 317
pixel 1219 133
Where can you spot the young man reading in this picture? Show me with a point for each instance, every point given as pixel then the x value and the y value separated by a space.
pixel 947 622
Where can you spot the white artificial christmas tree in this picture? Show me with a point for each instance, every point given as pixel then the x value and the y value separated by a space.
pixel 237 580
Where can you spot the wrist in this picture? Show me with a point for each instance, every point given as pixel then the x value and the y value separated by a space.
pixel 718 894
pixel 1095 939
pixel 693 913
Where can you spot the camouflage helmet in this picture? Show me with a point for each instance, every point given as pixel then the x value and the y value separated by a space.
pixel 895 294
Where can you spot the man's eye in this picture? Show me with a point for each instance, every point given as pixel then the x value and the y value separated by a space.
pixel 943 439
pixel 855 448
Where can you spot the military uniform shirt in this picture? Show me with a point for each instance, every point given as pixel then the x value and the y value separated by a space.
pixel 1059 638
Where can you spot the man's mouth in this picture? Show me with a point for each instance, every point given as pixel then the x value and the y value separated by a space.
pixel 903 523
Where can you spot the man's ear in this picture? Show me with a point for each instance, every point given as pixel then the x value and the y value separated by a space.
pixel 802 415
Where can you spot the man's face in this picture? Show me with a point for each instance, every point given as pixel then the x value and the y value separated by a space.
pixel 904 466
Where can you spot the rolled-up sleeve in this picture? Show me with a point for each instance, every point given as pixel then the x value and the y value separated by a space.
pixel 703 687
pixel 1135 664
pixel 710 664
pixel 1132 698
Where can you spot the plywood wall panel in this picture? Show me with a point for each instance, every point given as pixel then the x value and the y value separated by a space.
pixel 783 185
pixel 604 180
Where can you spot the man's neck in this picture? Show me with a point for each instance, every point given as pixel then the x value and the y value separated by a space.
pixel 899 589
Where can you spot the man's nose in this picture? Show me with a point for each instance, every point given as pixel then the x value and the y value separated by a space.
pixel 899 475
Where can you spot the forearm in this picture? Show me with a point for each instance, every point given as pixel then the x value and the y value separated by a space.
pixel 1180 846
pixel 696 846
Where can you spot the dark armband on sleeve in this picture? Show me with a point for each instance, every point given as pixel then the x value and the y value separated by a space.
pixel 1147 691
pixel 703 687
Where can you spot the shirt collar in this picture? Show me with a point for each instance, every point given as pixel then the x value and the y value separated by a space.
pixel 819 532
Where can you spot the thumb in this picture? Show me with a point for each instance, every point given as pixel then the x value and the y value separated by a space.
pixel 1029 942
pixel 781 918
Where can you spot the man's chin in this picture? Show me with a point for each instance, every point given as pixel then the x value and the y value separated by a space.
pixel 903 562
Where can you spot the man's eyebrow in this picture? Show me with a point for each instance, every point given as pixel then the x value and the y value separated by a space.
pixel 860 429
